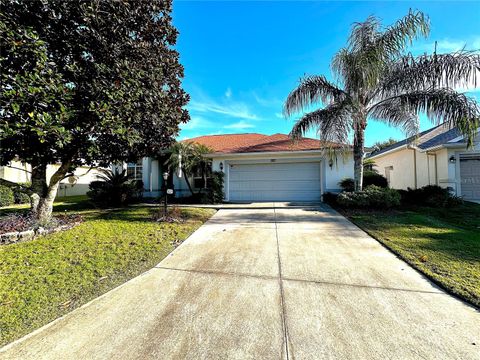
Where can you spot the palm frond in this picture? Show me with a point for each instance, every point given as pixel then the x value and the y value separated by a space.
pixel 441 106
pixel 114 177
pixel 456 70
pixel 347 70
pixel 312 89
pixel 333 123
pixel 364 34
pixel 392 113
pixel 397 37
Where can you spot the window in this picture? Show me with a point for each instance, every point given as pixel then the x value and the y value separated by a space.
pixel 135 170
pixel 201 175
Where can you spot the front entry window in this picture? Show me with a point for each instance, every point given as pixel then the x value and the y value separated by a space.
pixel 135 170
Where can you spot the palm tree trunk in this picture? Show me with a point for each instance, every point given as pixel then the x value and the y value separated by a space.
pixel 188 182
pixel 358 153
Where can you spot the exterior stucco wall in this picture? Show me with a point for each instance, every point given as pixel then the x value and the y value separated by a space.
pixel 432 168
pixel 330 176
pixel 68 187
pixel 399 165
pixel 342 168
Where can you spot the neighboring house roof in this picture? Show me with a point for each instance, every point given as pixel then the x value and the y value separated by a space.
pixel 252 142
pixel 437 136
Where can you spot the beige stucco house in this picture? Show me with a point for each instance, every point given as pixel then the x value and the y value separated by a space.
pixel 438 156
pixel 77 184
pixel 258 167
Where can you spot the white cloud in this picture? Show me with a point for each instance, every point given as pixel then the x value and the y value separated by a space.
pixel 228 93
pixel 233 109
pixel 240 125
pixel 265 101
pixel 449 45
pixel 279 115
pixel 197 122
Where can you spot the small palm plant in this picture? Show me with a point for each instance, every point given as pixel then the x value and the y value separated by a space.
pixel 187 155
pixel 376 80
pixel 114 188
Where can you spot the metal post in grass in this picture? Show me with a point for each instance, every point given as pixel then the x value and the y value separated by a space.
pixel 165 178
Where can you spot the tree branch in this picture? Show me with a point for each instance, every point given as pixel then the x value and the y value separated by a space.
pixel 17 168
pixel 15 185
pixel 59 174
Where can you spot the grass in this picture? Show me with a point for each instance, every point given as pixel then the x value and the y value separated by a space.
pixel 442 243
pixel 46 278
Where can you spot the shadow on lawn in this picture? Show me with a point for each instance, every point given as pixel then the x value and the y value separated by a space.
pixel 142 214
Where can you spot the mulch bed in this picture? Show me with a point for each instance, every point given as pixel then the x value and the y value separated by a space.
pixel 19 222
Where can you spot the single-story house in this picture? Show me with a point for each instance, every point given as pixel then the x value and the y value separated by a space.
pixel 77 184
pixel 257 168
pixel 438 156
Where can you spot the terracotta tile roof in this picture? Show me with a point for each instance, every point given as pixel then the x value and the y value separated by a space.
pixel 245 143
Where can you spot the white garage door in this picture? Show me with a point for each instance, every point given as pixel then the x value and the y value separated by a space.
pixel 275 182
pixel 470 177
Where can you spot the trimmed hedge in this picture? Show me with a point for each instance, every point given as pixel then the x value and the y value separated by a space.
pixel 369 178
pixel 372 197
pixel 430 195
pixel 330 198
pixel 6 196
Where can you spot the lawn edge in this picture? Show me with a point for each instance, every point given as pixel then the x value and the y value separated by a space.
pixel 415 267
pixel 10 345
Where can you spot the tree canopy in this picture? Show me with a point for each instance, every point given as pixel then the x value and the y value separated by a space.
pixel 87 82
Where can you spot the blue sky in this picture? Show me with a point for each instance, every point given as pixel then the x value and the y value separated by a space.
pixel 242 58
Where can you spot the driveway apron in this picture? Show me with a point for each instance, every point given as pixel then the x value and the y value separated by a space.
pixel 267 281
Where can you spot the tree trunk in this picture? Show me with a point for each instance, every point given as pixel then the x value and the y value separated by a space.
pixel 43 193
pixel 358 153
pixel 188 182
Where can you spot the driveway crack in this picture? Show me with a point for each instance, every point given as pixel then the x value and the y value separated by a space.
pixel 282 293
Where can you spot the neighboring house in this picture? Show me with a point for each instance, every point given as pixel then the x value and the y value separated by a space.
pixel 74 185
pixel 438 156
pixel 257 168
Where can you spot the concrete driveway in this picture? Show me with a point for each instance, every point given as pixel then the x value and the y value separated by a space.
pixel 267 282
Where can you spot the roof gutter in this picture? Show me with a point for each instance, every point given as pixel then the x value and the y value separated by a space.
pixel 267 153
pixel 444 146
pixel 389 151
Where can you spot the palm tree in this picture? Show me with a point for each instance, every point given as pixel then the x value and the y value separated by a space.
pixel 375 79
pixel 187 155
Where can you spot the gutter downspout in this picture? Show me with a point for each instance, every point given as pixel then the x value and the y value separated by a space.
pixel 434 154
pixel 414 164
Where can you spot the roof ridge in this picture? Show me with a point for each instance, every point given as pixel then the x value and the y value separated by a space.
pixel 236 134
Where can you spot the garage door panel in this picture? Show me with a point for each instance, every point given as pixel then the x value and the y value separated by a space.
pixel 273 196
pixel 470 177
pixel 270 173
pixel 275 182
pixel 302 185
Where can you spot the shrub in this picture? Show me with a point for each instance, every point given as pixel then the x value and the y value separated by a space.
pixel 430 195
pixel 115 189
pixel 330 198
pixel 6 196
pixel 215 191
pixel 20 197
pixel 347 184
pixel 373 178
pixel 372 196
pixel 369 178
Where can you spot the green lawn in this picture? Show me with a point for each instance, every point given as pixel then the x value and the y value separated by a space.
pixel 45 278
pixel 444 244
